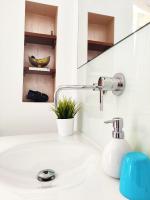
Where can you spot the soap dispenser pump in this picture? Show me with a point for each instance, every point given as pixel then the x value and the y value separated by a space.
pixel 115 150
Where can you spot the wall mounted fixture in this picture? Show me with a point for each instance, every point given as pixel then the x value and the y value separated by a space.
pixel 116 84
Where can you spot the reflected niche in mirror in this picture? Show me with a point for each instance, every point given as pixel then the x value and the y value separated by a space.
pixel 103 24
pixel 100 34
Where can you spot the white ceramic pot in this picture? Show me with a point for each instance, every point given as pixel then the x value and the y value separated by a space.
pixel 65 126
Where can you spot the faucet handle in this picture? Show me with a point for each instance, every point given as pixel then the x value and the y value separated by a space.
pixel 101 99
pixel 101 90
pixel 118 126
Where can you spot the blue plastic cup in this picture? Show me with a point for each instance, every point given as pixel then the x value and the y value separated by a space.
pixel 135 176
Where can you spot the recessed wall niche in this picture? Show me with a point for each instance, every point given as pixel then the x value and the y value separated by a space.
pixel 39 43
pixel 100 34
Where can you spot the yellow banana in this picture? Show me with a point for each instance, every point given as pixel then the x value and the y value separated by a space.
pixel 41 62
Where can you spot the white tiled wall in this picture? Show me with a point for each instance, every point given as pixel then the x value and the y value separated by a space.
pixel 132 58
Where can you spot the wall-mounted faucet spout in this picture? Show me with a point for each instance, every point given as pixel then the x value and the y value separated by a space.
pixel 116 84
pixel 93 87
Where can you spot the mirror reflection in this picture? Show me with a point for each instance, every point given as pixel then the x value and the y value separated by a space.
pixel 104 23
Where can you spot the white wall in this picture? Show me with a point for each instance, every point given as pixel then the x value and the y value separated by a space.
pixel 17 117
pixel 122 10
pixel 130 57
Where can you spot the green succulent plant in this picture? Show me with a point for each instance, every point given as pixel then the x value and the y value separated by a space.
pixel 66 108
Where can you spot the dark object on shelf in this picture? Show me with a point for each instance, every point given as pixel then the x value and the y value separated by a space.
pixel 37 96
pixel 41 62
pixel 52 33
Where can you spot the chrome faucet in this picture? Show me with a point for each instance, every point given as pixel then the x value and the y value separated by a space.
pixel 74 87
pixel 116 84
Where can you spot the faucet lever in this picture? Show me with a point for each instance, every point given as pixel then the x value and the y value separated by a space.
pixel 101 99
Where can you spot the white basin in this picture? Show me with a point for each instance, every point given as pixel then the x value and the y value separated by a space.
pixel 73 163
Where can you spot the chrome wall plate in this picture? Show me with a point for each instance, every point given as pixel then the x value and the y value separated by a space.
pixel 121 84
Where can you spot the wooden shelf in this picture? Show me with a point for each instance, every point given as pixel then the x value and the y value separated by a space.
pixel 38 38
pixel 28 71
pixel 98 46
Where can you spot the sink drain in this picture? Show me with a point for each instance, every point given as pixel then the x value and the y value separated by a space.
pixel 46 175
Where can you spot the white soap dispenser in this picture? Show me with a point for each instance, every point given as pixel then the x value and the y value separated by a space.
pixel 115 150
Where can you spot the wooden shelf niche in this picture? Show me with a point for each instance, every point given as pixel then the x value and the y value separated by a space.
pixel 40 42
pixel 100 34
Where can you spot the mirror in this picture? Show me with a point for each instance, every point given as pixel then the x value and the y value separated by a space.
pixel 103 24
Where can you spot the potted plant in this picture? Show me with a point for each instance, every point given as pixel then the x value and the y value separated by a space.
pixel 65 112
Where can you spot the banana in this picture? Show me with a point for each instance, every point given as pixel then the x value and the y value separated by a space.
pixel 41 62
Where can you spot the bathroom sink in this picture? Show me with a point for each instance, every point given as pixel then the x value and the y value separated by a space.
pixel 72 162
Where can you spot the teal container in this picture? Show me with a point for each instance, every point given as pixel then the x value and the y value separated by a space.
pixel 135 176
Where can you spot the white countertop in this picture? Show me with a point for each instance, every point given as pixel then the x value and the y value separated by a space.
pixel 96 187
